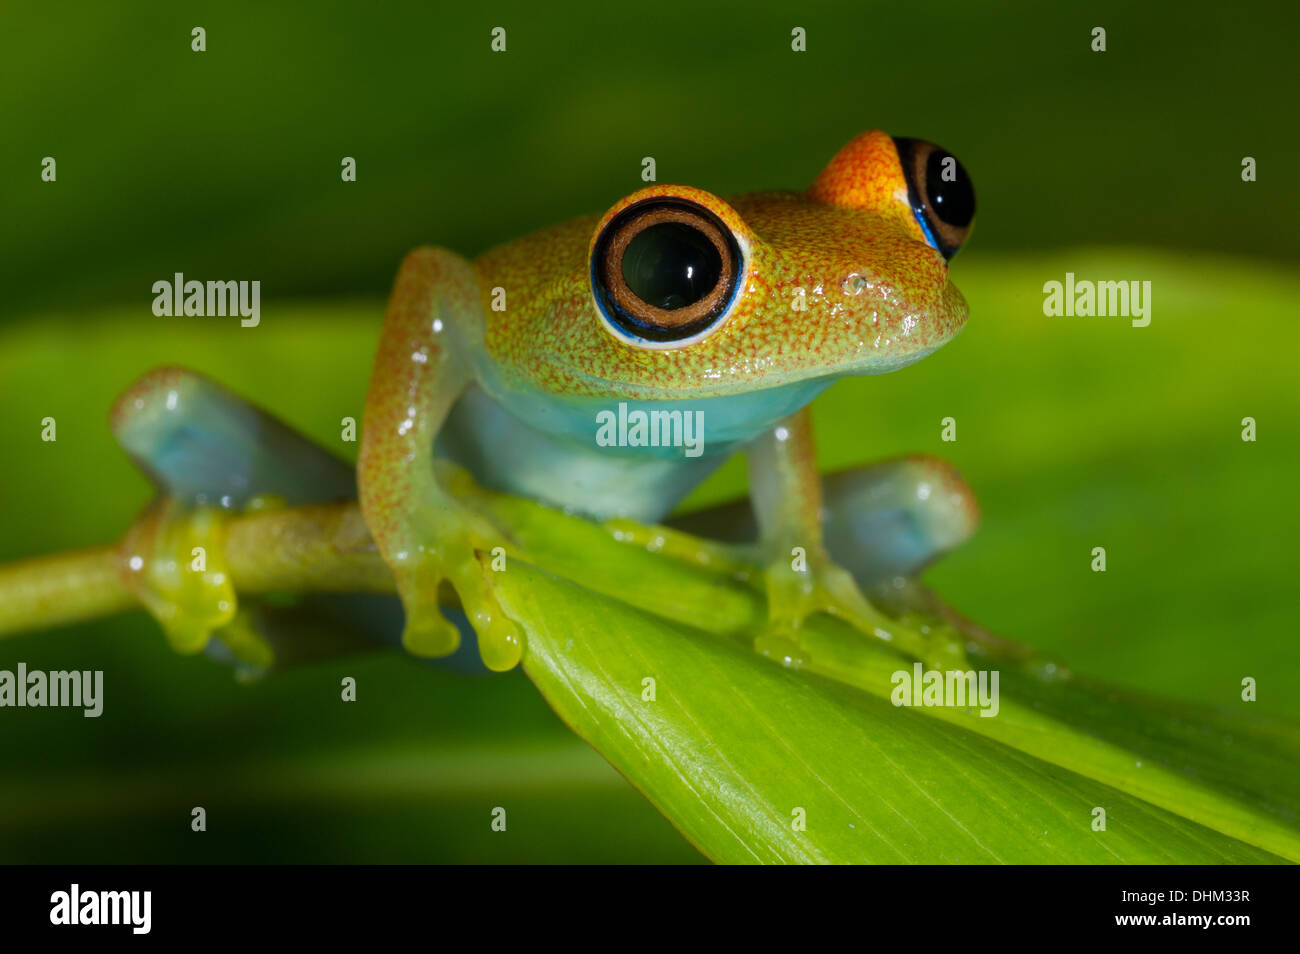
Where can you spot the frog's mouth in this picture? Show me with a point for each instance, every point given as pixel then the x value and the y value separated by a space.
pixel 874 364
pixel 769 389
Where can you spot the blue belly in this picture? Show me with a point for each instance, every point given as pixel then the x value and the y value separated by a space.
pixel 605 458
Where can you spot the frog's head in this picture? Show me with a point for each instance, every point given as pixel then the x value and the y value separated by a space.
pixel 701 296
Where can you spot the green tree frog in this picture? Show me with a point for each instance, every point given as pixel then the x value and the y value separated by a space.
pixel 726 317
pixel 605 366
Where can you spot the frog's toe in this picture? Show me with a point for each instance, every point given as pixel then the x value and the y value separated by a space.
pixel 499 640
pixel 460 556
pixel 824 586
pixel 173 562
pixel 797 589
pixel 816 585
pixel 684 546
pixel 427 632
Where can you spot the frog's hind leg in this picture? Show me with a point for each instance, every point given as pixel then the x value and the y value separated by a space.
pixel 882 520
pixel 201 443
pixel 888 521
pixel 896 517
pixel 210 453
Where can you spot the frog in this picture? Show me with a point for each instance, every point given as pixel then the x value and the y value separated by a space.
pixel 695 313
pixel 606 366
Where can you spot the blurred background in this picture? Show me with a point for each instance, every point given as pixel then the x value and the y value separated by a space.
pixel 225 164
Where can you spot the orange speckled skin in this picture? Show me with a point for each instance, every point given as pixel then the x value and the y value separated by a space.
pixel 855 220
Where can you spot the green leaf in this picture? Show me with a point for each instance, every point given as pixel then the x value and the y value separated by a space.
pixel 732 746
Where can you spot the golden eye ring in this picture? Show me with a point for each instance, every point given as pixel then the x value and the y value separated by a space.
pixel 665 270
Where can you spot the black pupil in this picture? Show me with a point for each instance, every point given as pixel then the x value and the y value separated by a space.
pixel 671 265
pixel 948 187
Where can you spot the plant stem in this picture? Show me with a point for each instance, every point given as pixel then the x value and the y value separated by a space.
pixel 326 548
pixel 320 548
pixel 59 589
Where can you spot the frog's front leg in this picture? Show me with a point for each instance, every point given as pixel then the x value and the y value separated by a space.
pixel 786 493
pixel 424 534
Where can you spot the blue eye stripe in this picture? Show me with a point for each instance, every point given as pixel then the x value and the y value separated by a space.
pixel 918 213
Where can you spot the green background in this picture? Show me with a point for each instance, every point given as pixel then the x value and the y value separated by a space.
pixel 1074 432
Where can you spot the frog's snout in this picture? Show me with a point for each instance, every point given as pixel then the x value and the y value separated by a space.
pixel 896 315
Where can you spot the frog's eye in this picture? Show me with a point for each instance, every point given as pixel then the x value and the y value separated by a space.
pixel 940 193
pixel 665 272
